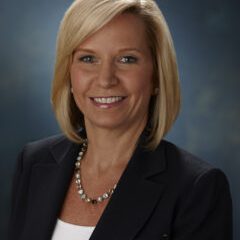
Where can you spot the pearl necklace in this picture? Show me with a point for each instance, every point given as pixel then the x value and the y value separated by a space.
pixel 80 189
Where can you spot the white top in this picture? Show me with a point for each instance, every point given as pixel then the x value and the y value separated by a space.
pixel 69 231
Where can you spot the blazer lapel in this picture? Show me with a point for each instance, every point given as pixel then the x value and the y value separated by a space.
pixel 48 186
pixel 134 198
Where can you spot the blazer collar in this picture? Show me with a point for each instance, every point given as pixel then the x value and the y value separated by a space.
pixel 60 150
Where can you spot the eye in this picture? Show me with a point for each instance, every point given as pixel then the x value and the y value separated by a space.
pixel 87 59
pixel 128 59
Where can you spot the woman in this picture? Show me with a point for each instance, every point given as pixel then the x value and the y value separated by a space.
pixel 111 176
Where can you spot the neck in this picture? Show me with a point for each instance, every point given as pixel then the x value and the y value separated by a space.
pixel 108 148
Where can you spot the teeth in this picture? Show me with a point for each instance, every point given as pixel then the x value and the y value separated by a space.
pixel 108 100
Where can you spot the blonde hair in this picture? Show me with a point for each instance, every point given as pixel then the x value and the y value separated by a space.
pixel 82 19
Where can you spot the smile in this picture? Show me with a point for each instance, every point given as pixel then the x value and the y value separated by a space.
pixel 107 100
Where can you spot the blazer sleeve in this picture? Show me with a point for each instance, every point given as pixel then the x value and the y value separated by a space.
pixel 16 180
pixel 205 212
pixel 16 200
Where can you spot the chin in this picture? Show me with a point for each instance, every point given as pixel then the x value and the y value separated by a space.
pixel 108 125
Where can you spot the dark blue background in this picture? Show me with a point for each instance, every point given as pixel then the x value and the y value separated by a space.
pixel 207 37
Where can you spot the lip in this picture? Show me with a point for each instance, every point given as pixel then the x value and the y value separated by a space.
pixel 107 105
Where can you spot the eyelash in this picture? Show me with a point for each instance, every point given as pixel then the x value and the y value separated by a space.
pixel 90 59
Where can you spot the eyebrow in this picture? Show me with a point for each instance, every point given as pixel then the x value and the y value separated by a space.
pixel 120 50
pixel 84 50
pixel 130 49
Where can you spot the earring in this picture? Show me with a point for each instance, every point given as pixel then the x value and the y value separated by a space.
pixel 71 90
pixel 156 91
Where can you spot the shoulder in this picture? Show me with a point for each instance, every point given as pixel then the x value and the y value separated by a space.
pixel 187 168
pixel 46 143
pixel 183 160
pixel 41 150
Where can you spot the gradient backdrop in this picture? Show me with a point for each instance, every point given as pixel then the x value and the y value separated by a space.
pixel 207 37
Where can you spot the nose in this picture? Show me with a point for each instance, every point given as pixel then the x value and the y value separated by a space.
pixel 107 75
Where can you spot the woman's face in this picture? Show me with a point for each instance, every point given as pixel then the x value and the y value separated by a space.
pixel 111 75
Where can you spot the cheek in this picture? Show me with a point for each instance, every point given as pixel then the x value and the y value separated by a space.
pixel 81 78
pixel 143 82
pixel 74 76
pixel 77 79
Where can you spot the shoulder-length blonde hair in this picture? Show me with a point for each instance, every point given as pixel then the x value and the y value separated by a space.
pixel 82 19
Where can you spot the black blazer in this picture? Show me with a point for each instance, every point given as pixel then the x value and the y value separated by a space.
pixel 164 194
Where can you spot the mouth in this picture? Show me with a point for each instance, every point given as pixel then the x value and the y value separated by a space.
pixel 106 102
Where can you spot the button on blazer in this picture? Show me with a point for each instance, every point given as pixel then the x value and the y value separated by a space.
pixel 162 194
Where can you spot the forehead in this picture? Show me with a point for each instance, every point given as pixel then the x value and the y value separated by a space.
pixel 125 30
